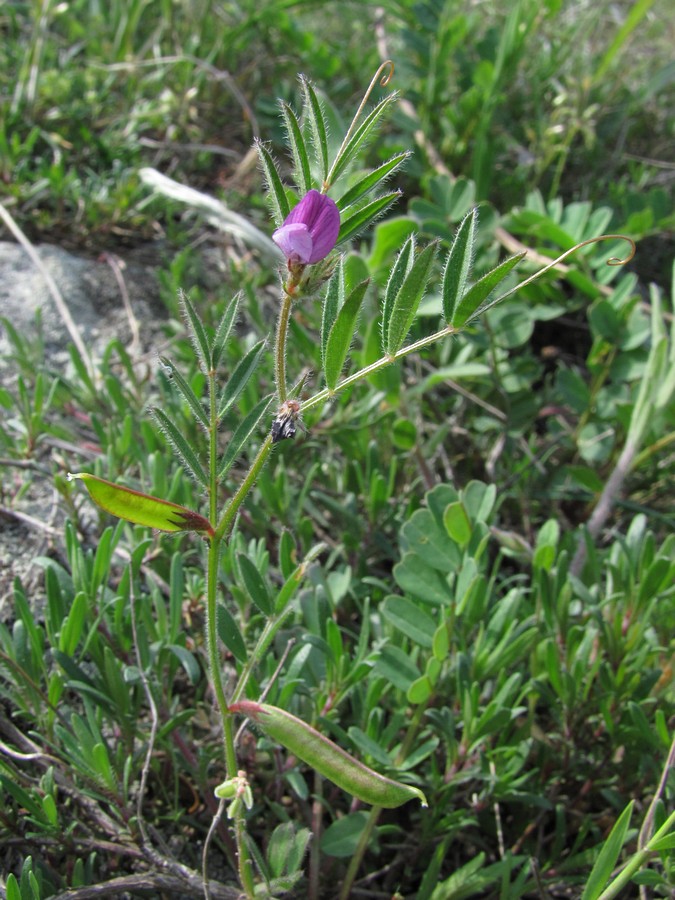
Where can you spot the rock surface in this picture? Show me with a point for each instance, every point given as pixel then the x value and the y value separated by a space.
pixel 89 288
pixel 31 520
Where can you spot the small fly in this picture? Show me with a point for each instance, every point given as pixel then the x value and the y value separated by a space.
pixel 284 426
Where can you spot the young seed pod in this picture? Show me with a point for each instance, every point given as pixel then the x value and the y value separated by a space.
pixel 327 758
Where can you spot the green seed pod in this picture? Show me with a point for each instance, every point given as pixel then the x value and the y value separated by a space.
pixel 327 758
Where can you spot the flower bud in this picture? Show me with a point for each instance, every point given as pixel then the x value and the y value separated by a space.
pixel 310 230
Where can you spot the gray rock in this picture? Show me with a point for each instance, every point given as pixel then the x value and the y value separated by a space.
pixel 89 288
pixel 31 517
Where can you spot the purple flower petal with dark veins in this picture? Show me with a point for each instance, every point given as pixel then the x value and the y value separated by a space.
pixel 310 230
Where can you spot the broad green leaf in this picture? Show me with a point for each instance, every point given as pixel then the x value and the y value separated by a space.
pixel 470 304
pixel 407 616
pixel 275 190
pixel 317 124
pixel 188 661
pixel 419 691
pixel 183 450
pixel 609 854
pixel 363 217
pixel 397 667
pixel 342 334
pixel 229 634
pixel 365 130
pixel 187 392
pixel 239 378
pixel 242 434
pixel 458 266
pixel 141 509
pixel 342 837
pixel 224 329
pixel 457 522
pixel 296 143
pixel 421 581
pixel 255 585
pixel 441 642
pixel 335 298
pixel 404 434
pixel 371 180
pixel 196 331
pixel 408 299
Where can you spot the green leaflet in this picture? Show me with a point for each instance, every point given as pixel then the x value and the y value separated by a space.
pixel 400 313
pixel 276 193
pixel 255 584
pixel 181 447
pixel 351 225
pixel 335 298
pixel 458 266
pixel 608 856
pixel 239 378
pixel 141 509
pixel 317 124
pixel 197 333
pixel 242 434
pixel 187 392
pixel 224 329
pixel 296 142
pixel 341 334
pixel 400 269
pixel 365 130
pixel 471 303
pixel 372 180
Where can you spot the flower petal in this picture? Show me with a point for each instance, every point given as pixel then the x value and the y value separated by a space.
pixel 294 241
pixel 325 230
pixel 310 230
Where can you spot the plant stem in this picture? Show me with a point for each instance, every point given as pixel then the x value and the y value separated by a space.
pixel 362 846
pixel 375 811
pixel 636 862
pixel 265 639
pixel 227 520
pixel 211 634
pixel 280 346
pixel 381 363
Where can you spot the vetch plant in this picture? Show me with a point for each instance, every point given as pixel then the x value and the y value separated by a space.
pixel 310 224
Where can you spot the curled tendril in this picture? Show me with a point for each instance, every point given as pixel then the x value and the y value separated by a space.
pixel 384 75
pixel 386 78
pixel 613 260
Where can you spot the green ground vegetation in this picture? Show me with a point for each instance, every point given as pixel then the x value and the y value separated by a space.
pixel 490 615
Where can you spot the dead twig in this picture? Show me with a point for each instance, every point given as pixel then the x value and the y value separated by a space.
pixel 151 883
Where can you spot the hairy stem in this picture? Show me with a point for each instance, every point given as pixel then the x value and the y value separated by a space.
pixel 280 346
pixel 211 634
pixel 227 520
pixel 381 363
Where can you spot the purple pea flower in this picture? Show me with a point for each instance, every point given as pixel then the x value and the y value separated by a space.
pixel 310 230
